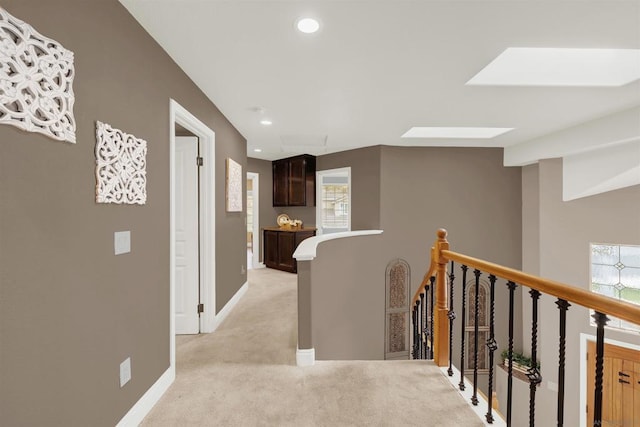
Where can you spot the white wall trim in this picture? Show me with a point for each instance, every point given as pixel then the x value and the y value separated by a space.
pixel 306 250
pixel 583 368
pixel 305 357
pixel 229 306
pixel 255 192
pixel 143 406
pixel 178 114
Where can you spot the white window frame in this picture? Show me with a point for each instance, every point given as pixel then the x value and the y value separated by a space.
pixel 618 326
pixel 329 172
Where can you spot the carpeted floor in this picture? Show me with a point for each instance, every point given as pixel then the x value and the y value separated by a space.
pixel 244 374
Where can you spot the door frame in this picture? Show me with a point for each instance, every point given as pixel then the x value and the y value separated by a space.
pixel 319 175
pixel 255 193
pixel 179 115
pixel 583 367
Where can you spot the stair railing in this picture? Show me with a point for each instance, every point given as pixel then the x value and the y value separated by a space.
pixel 433 325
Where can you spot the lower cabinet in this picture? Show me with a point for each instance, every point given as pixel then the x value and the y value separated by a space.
pixel 279 246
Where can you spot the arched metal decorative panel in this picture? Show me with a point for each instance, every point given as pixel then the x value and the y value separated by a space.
pixel 397 287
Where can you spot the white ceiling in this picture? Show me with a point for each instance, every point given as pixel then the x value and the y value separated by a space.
pixel 378 68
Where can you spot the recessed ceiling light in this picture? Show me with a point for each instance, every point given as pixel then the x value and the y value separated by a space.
pixel 266 122
pixel 308 25
pixel 257 150
pixel 561 67
pixel 454 132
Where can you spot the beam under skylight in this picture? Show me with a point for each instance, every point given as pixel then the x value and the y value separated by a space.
pixel 561 67
pixel 454 132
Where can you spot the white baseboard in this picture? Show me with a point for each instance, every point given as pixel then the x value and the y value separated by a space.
pixel 481 408
pixel 143 406
pixel 228 307
pixel 306 357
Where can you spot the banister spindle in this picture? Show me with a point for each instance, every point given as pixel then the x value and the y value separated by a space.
pixel 463 323
pixel 492 345
pixel 533 373
pixel 432 288
pixel 423 308
pixel 452 316
pixel 415 330
pixel 419 304
pixel 512 288
pixel 474 397
pixel 601 320
pixel 563 306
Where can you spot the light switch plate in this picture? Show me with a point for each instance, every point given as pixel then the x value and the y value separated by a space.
pixel 122 242
pixel 125 371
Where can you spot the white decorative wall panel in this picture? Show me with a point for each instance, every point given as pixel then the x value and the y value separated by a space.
pixel 121 161
pixel 36 78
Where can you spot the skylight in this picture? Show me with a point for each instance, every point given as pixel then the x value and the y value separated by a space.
pixel 454 132
pixel 518 66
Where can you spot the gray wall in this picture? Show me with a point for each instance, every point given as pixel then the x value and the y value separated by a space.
pixel 468 192
pixel 365 183
pixel 71 311
pixel 348 299
pixel 365 188
pixel 566 231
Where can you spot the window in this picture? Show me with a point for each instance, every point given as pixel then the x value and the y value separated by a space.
pixel 615 272
pixel 333 200
pixel 483 325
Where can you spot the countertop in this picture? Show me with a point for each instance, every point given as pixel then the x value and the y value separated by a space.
pixel 290 230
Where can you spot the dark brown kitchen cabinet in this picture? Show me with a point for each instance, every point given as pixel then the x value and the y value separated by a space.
pixel 280 244
pixel 294 181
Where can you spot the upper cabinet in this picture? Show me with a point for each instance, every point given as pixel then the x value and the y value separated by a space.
pixel 294 181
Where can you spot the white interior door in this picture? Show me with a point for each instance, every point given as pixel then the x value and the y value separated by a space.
pixel 187 319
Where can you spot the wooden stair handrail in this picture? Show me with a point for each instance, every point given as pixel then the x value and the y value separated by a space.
pixel 425 280
pixel 441 255
pixel 573 294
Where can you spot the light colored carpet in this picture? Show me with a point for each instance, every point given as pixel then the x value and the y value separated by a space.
pixel 244 374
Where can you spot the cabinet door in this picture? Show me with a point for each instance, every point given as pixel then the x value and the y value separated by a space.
pixel 297 181
pixel 271 249
pixel 281 183
pixel 286 247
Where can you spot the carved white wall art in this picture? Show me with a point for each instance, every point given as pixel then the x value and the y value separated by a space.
pixel 36 78
pixel 121 167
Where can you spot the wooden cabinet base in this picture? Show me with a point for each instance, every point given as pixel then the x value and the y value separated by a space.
pixel 279 246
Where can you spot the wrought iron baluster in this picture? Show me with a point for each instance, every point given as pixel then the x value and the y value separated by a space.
pixel 432 287
pixel 533 373
pixel 492 345
pixel 463 323
pixel 474 398
pixel 563 306
pixel 423 344
pixel 419 305
pixel 452 316
pixel 426 322
pixel 512 288
pixel 601 320
pixel 415 330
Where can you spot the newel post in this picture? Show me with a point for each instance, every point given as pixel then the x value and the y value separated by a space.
pixel 441 319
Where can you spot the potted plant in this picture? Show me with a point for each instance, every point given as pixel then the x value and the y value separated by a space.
pixel 521 362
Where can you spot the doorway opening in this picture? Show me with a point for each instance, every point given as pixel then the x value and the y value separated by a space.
pixel 333 200
pixel 201 210
pixel 253 220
